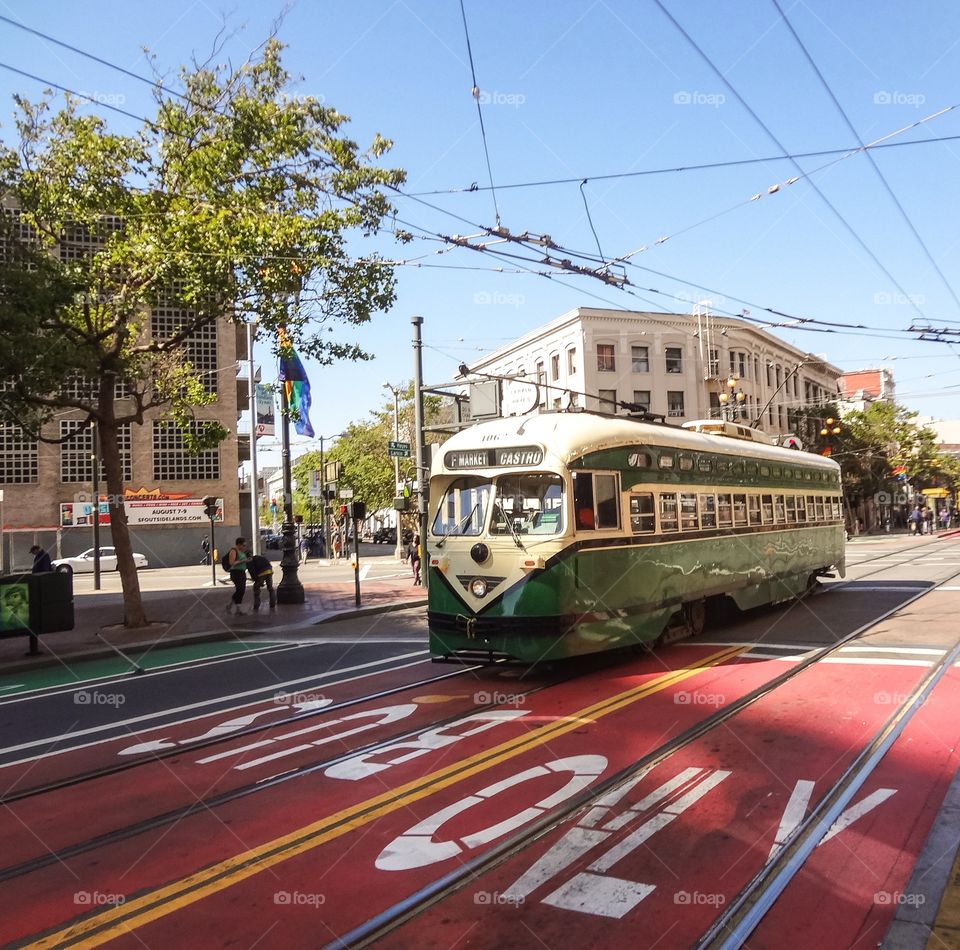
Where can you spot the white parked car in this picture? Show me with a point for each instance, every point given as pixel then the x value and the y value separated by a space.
pixel 83 563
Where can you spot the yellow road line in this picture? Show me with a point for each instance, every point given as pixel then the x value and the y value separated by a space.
pixel 122 918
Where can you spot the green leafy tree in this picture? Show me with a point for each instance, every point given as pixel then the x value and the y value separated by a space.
pixel 234 200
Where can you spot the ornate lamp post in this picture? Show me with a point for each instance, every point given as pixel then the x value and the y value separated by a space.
pixel 731 400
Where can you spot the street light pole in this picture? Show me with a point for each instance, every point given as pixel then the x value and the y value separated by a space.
pixel 289 590
pixel 422 480
pixel 251 383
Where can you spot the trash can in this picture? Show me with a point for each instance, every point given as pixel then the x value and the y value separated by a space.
pixel 54 597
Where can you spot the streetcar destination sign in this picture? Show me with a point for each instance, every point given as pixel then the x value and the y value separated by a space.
pixel 494 458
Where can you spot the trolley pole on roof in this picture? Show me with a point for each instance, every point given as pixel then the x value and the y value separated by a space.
pixel 422 497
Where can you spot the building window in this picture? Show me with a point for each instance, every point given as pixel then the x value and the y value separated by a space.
pixel 640 355
pixel 608 400
pixel 173 462
pixel 733 363
pixel 84 387
pixel 201 347
pixel 606 361
pixel 555 367
pixel 571 362
pixel 742 365
pixel 713 363
pixel 18 457
pixel 769 374
pixel 76 454
pixel 675 403
pixel 674 357
pixel 641 399
pixel 542 383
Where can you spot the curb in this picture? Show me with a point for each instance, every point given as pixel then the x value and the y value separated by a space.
pixel 28 664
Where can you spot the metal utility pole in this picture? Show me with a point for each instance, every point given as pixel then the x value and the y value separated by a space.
pixel 252 384
pixel 95 482
pixel 422 474
pixel 398 553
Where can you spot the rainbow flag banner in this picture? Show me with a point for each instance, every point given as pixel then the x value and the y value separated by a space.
pixel 296 386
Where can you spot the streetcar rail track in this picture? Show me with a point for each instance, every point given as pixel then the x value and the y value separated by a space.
pixel 431 894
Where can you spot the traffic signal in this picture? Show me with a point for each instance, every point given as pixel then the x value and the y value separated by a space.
pixel 210 507
pixel 343 511
pixel 359 511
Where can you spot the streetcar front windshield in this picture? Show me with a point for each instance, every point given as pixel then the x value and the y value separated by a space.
pixel 528 504
pixel 463 509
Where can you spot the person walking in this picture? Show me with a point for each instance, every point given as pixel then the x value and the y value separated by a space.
pixel 945 518
pixel 41 561
pixel 261 573
pixel 236 563
pixel 205 547
pixel 916 520
pixel 414 550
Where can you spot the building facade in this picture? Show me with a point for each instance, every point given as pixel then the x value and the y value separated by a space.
pixel 681 366
pixel 864 386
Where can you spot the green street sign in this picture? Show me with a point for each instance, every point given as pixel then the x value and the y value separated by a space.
pixel 400 450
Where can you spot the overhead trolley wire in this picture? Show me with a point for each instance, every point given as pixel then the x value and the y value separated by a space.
pixel 475 92
pixel 869 157
pixel 849 228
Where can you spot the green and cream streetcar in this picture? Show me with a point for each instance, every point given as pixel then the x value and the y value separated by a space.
pixel 567 533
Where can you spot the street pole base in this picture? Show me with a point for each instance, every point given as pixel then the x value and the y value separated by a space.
pixel 290 593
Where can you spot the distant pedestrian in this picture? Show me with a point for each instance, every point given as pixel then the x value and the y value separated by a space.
pixel 916 520
pixel 928 520
pixel 41 560
pixel 414 551
pixel 304 550
pixel 236 562
pixel 261 573
pixel 945 518
pixel 205 547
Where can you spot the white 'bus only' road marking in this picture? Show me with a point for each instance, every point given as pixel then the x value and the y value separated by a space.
pixel 418 846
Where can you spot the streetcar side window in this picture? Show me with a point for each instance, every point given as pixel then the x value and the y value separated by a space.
pixel 583 500
pixel 766 503
pixel 668 513
pixel 608 501
pixel 708 511
pixel 688 512
pixel 686 463
pixel 820 511
pixel 791 509
pixel 739 510
pixel 836 509
pixel 642 515
pixel 753 506
pixel 801 509
pixel 779 512
pixel 724 511
pixel 812 508
pixel 596 500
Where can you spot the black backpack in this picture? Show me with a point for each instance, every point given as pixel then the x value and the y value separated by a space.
pixel 225 560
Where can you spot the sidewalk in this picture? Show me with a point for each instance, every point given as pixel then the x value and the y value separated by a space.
pixel 181 617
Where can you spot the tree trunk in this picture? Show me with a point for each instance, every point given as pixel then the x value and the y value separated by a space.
pixel 107 433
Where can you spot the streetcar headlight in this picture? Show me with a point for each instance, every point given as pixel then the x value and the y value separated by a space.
pixel 478 587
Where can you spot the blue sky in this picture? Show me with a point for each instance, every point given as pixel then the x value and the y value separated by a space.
pixel 581 89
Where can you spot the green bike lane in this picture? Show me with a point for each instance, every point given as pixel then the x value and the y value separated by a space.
pixel 77 671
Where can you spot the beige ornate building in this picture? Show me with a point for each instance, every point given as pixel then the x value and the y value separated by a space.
pixel 681 366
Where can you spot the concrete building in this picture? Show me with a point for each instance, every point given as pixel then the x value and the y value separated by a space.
pixel 681 366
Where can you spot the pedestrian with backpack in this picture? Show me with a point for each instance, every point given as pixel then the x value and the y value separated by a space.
pixel 261 573
pixel 235 561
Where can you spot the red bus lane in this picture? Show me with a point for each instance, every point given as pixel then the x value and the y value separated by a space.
pixel 656 860
pixel 344 816
pixel 864 873
pixel 46 762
